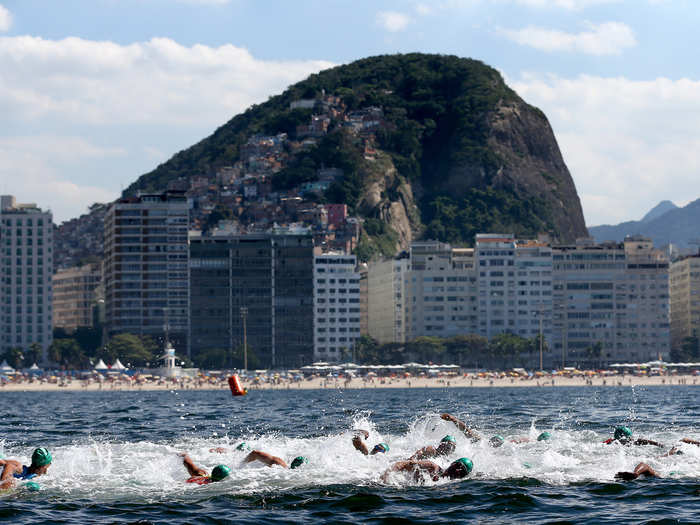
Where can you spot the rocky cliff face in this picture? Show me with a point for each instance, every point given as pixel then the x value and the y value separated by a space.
pixel 532 165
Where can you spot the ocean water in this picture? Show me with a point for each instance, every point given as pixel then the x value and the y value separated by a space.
pixel 115 456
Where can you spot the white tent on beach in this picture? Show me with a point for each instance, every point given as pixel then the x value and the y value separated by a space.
pixel 100 365
pixel 118 365
pixel 5 368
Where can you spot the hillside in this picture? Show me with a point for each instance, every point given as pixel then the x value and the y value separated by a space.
pixel 675 225
pixel 443 149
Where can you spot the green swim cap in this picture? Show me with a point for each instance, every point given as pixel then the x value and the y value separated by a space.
pixel 449 439
pixel 298 462
pixel 243 446
pixel 31 486
pixel 41 457
pixel 622 432
pixel 544 436
pixel 380 447
pixel 467 464
pixel 496 441
pixel 526 464
pixel 220 472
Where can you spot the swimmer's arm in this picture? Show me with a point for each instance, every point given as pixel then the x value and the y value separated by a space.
pixel 425 452
pixel 10 467
pixel 690 441
pixel 359 444
pixel 462 426
pixel 193 469
pixel 642 441
pixel 219 450
pixel 264 457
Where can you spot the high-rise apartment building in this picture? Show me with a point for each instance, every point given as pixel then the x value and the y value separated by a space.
pixel 26 266
pixel 270 276
pixel 684 285
pixel 515 286
pixel 442 291
pixel 75 296
pixel 145 267
pixel 336 306
pixel 387 283
pixel 611 303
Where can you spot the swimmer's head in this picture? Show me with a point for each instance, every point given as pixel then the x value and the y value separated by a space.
pixel 544 436
pixel 220 472
pixel 496 441
pixel 622 433
pixel 298 462
pixel 243 446
pixel 459 468
pixel 447 445
pixel 41 457
pixel 380 448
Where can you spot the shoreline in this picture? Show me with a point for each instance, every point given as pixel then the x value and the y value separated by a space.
pixel 359 383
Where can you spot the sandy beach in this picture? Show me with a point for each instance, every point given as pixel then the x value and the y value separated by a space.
pixel 355 383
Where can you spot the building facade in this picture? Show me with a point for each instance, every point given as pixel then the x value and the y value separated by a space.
pixel 442 291
pixel 76 292
pixel 26 266
pixel 611 303
pixel 271 277
pixel 145 267
pixel 684 287
pixel 336 306
pixel 387 283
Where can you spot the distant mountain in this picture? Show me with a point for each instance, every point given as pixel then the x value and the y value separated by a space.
pixel 659 210
pixel 664 224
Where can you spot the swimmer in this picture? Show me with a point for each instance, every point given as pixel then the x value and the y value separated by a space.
pixel 445 448
pixel 270 460
pixel 12 469
pixel 623 435
pixel 675 450
pixel 495 441
pixel 543 436
pixel 640 470
pixel 361 446
pixel 421 468
pixel 200 476
pixel 243 447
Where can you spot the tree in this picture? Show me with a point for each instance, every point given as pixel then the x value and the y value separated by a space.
pixel 688 351
pixel 33 354
pixel 129 348
pixel 14 357
pixel 67 352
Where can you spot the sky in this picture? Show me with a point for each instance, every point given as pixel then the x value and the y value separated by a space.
pixel 94 93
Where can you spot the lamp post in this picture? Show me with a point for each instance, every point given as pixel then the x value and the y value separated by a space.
pixel 244 316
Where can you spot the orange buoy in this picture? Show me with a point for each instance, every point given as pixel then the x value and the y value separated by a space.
pixel 234 384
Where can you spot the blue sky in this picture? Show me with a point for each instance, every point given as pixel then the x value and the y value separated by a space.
pixel 94 93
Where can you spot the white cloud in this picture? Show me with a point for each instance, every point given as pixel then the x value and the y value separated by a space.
pixel 608 38
pixel 393 21
pixel 159 81
pixel 576 5
pixel 628 144
pixel 144 101
pixel 5 19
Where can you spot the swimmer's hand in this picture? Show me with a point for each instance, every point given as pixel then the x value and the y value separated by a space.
pixel 219 450
pixel 447 417
pixel 361 432
pixel 626 476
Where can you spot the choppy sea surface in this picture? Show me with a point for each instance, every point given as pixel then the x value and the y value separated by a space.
pixel 115 456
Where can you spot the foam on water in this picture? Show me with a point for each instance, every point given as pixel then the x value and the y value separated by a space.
pixel 110 471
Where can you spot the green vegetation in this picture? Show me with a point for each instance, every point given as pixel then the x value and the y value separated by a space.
pixel 473 351
pixel 688 352
pixel 436 129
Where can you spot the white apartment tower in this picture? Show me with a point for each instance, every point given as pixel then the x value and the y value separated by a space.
pixel 336 306
pixel 442 291
pixel 145 267
pixel 26 266
pixel 515 286
pixel 685 299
